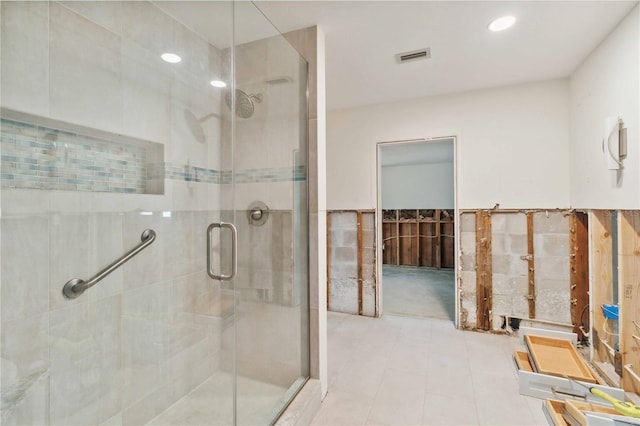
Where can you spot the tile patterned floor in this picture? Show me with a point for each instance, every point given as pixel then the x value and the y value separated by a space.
pixel 408 371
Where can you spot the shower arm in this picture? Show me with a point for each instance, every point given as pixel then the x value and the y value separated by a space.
pixel 75 287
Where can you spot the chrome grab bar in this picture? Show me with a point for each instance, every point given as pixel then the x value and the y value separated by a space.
pixel 75 287
pixel 234 250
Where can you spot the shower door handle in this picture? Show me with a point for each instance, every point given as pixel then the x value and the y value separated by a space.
pixel 234 250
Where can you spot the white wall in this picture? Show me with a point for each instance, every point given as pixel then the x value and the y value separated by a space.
pixel 418 186
pixel 512 147
pixel 606 84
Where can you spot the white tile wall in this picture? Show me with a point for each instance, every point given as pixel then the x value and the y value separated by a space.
pixel 85 80
pixel 155 325
pixel 25 56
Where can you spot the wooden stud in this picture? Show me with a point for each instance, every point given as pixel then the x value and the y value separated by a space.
pixel 438 238
pixel 328 258
pixel 601 278
pixel 531 293
pixel 448 244
pixel 417 237
pixel 579 270
pixel 397 237
pixel 375 268
pixel 629 296
pixel 483 270
pixel 360 273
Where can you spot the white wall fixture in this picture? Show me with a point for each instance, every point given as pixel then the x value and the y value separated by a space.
pixel 614 142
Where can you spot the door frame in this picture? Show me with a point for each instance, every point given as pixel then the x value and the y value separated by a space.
pixel 378 219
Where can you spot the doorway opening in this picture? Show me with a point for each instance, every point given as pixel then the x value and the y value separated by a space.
pixel 417 228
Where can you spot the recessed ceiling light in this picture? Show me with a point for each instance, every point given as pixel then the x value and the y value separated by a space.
pixel 172 58
pixel 502 23
pixel 218 83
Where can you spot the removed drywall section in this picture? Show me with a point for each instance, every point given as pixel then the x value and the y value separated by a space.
pixel 500 252
pixel 343 261
pixel 510 266
pixel 601 252
pixel 351 281
pixel 467 274
pixel 368 265
pixel 484 267
pixel 579 268
pixel 551 263
pixel 629 298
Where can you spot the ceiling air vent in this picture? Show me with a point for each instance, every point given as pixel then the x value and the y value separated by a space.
pixel 414 55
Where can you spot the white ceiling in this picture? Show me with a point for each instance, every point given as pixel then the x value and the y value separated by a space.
pixel 550 39
pixel 425 152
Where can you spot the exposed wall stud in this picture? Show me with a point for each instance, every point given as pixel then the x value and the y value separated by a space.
pixel 483 270
pixel 579 270
pixel 360 274
pixel 397 237
pixel 438 239
pixel 530 267
pixel 328 258
pixel 601 278
pixel 629 297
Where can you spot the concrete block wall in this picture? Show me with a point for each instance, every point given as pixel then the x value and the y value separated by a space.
pixel 368 265
pixel 467 273
pixel 551 263
pixel 509 248
pixel 343 263
pixel 510 270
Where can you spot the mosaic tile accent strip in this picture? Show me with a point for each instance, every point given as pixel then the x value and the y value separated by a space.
pixel 278 174
pixel 189 173
pixel 39 157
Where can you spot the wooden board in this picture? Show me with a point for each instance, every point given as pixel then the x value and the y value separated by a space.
pixel 390 242
pixel 483 271
pixel 579 270
pixel 522 361
pixel 629 296
pixel 557 357
pixel 360 248
pixel 576 410
pixel 427 234
pixel 601 277
pixel 424 238
pixel 408 243
pixel 328 259
pixel 530 267
pixel 555 408
pixel 448 245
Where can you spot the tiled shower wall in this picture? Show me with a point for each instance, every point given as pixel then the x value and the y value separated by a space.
pixel 272 280
pixel 154 329
pixel 151 331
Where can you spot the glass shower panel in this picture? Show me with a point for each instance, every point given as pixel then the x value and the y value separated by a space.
pixel 102 139
pixel 270 211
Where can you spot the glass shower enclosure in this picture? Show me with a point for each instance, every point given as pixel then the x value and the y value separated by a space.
pixel 153 257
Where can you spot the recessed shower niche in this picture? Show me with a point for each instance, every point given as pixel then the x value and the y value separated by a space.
pixel 47 154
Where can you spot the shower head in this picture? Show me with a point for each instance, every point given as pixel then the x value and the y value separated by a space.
pixel 195 124
pixel 244 103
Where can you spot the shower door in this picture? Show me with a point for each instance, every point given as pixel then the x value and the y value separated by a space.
pixel 116 160
pixel 269 157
